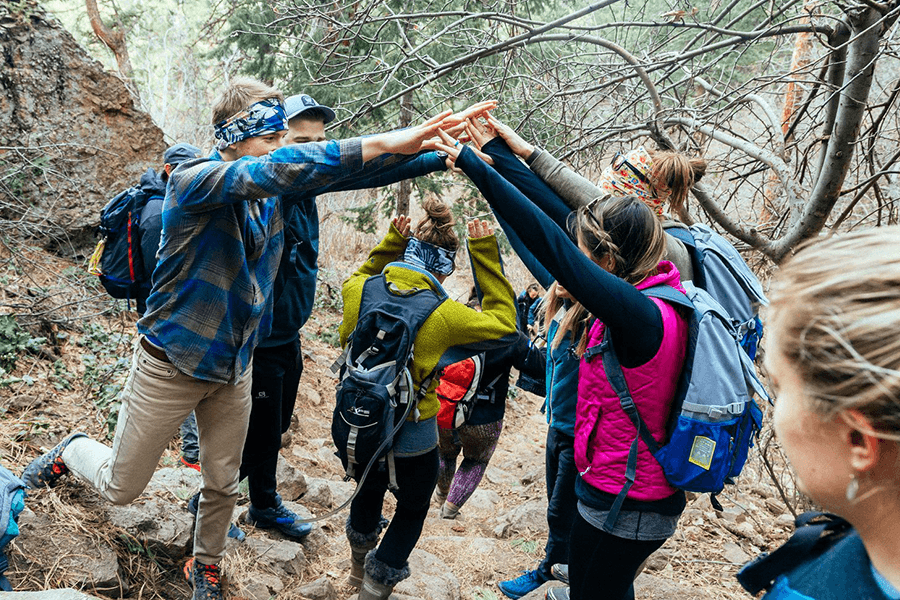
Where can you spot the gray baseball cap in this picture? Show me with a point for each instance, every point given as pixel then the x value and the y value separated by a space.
pixel 179 153
pixel 300 103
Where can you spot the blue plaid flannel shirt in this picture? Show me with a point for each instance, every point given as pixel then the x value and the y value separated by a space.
pixel 220 248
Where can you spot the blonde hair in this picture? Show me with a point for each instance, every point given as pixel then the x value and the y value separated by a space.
pixel 835 312
pixel 675 174
pixel 574 320
pixel 239 94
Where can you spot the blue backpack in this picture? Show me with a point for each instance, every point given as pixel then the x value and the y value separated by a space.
pixel 376 392
pixel 714 419
pixel 720 270
pixel 117 259
pixel 12 502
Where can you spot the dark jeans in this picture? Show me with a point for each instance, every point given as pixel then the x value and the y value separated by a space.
pixel 276 378
pixel 601 561
pixel 190 439
pixel 562 505
pixel 416 477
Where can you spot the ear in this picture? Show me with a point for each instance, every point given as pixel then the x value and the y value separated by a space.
pixel 864 445
pixel 168 169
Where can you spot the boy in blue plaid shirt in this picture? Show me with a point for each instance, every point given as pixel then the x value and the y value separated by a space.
pixel 211 302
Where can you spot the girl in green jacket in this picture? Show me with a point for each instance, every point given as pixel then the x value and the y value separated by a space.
pixel 451 333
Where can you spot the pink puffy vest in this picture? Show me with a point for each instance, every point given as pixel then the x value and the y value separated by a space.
pixel 603 432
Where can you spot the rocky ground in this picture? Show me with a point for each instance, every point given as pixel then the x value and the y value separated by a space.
pixel 72 539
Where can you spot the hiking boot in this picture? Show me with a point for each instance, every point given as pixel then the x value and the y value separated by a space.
pixel 281 518
pixel 372 590
pixel 439 497
pixel 205 580
pixel 525 583
pixel 191 462
pixel 45 470
pixel 560 572
pixel 380 579
pixel 449 511
pixel 233 530
pixel 360 544
pixel 557 593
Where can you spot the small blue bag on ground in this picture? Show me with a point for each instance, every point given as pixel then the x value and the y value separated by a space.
pixel 12 502
pixel 720 270
pixel 714 418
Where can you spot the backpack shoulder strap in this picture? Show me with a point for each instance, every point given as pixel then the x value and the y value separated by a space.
pixel 815 533
pixel 681 233
pixel 669 294
pixel 616 377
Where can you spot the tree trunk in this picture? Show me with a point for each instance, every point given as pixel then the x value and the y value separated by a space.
pixel 404 190
pixel 115 41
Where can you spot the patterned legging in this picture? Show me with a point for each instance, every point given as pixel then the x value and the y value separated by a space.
pixel 477 443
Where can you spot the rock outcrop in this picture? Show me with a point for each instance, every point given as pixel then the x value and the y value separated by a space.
pixel 70 135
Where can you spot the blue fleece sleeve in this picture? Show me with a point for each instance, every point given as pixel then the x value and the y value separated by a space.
pixel 633 319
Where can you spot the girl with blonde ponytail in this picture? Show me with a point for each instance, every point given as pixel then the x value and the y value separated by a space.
pixel 604 255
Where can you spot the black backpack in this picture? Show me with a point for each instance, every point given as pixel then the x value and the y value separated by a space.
pixel 117 259
pixel 376 393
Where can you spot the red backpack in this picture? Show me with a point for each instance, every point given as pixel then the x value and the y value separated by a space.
pixel 456 391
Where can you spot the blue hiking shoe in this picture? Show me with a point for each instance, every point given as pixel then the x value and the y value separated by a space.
pixel 281 517
pixel 45 470
pixel 523 584
pixel 233 530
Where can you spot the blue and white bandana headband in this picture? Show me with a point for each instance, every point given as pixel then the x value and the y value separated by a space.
pixel 429 257
pixel 263 117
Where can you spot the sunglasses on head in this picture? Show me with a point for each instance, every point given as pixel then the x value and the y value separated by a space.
pixel 620 161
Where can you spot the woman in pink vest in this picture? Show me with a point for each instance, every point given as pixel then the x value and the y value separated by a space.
pixel 613 250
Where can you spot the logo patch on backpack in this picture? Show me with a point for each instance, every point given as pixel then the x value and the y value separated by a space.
pixel 702 452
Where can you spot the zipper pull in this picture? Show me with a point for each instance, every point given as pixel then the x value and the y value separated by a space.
pixel 583 473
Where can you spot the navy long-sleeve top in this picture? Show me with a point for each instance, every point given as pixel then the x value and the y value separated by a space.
pixel 634 321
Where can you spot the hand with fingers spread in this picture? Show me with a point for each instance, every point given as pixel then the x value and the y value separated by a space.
pixel 453 147
pixel 479 133
pixel 404 141
pixel 402 223
pixel 474 111
pixel 479 229
pixel 519 146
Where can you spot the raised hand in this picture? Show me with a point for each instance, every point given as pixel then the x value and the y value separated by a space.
pixel 479 229
pixel 452 147
pixel 404 141
pixel 401 222
pixel 479 133
pixel 474 111
pixel 515 142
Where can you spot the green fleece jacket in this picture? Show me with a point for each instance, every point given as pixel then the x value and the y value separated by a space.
pixel 453 331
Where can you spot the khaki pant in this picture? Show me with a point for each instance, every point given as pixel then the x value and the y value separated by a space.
pixel 155 401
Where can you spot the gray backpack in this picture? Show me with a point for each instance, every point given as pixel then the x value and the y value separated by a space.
pixel 714 419
pixel 720 270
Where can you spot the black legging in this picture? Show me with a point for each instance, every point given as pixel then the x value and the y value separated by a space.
pixel 416 477
pixel 603 565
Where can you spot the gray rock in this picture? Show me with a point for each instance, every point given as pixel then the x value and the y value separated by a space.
pixel 76 558
pixel 260 586
pixel 498 476
pixel 539 593
pixel 530 516
pixel 160 526
pixel 431 578
pixel 320 589
pixel 291 481
pixel 175 483
pixel 318 491
pixel 66 594
pixel 483 500
pixel 277 555
pixel 734 554
pixel 653 587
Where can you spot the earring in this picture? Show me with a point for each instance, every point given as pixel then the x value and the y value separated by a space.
pixel 852 488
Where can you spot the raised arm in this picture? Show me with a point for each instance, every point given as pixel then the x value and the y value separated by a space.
pixel 634 320
pixel 389 250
